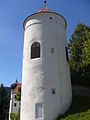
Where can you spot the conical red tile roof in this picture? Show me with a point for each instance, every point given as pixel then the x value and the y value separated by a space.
pixel 44 9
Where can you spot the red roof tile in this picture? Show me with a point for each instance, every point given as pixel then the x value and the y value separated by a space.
pixel 44 9
pixel 15 91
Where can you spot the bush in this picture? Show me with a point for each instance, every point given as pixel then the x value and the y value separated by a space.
pixel 15 116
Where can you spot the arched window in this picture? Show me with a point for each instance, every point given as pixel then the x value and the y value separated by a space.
pixel 35 50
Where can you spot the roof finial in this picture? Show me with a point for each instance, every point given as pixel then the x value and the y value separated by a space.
pixel 45 2
pixel 16 80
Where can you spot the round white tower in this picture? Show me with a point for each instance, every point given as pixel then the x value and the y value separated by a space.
pixel 46 84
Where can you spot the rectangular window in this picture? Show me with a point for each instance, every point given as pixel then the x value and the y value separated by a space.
pixel 39 110
pixel 53 90
pixel 15 104
pixel 15 96
pixel 52 50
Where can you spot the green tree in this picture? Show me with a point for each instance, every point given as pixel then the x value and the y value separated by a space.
pixel 18 97
pixel 86 58
pixel 4 103
pixel 76 48
pixel 15 116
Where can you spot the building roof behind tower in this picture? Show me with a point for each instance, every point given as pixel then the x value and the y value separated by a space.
pixel 15 86
pixel 15 90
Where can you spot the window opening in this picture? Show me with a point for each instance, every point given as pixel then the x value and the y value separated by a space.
pixel 15 96
pixel 53 90
pixel 52 50
pixel 67 58
pixel 35 50
pixel 39 110
pixel 15 104
pixel 50 18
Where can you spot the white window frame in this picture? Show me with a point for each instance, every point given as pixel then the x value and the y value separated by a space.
pixel 39 114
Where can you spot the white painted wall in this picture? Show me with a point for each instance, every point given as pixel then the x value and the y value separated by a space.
pixel 51 70
pixel 12 108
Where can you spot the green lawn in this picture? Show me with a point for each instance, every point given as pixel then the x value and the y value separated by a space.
pixel 79 110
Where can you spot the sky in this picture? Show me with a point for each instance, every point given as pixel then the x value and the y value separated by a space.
pixel 12 15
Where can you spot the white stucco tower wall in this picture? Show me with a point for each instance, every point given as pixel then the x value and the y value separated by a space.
pixel 45 80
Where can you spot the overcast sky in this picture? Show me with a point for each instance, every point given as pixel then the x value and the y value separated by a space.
pixel 12 15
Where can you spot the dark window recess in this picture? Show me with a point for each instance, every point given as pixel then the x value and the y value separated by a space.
pixel 50 18
pixel 53 90
pixel 35 50
pixel 15 104
pixel 67 57
pixel 52 50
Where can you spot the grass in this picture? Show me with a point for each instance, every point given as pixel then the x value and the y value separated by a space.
pixel 79 110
